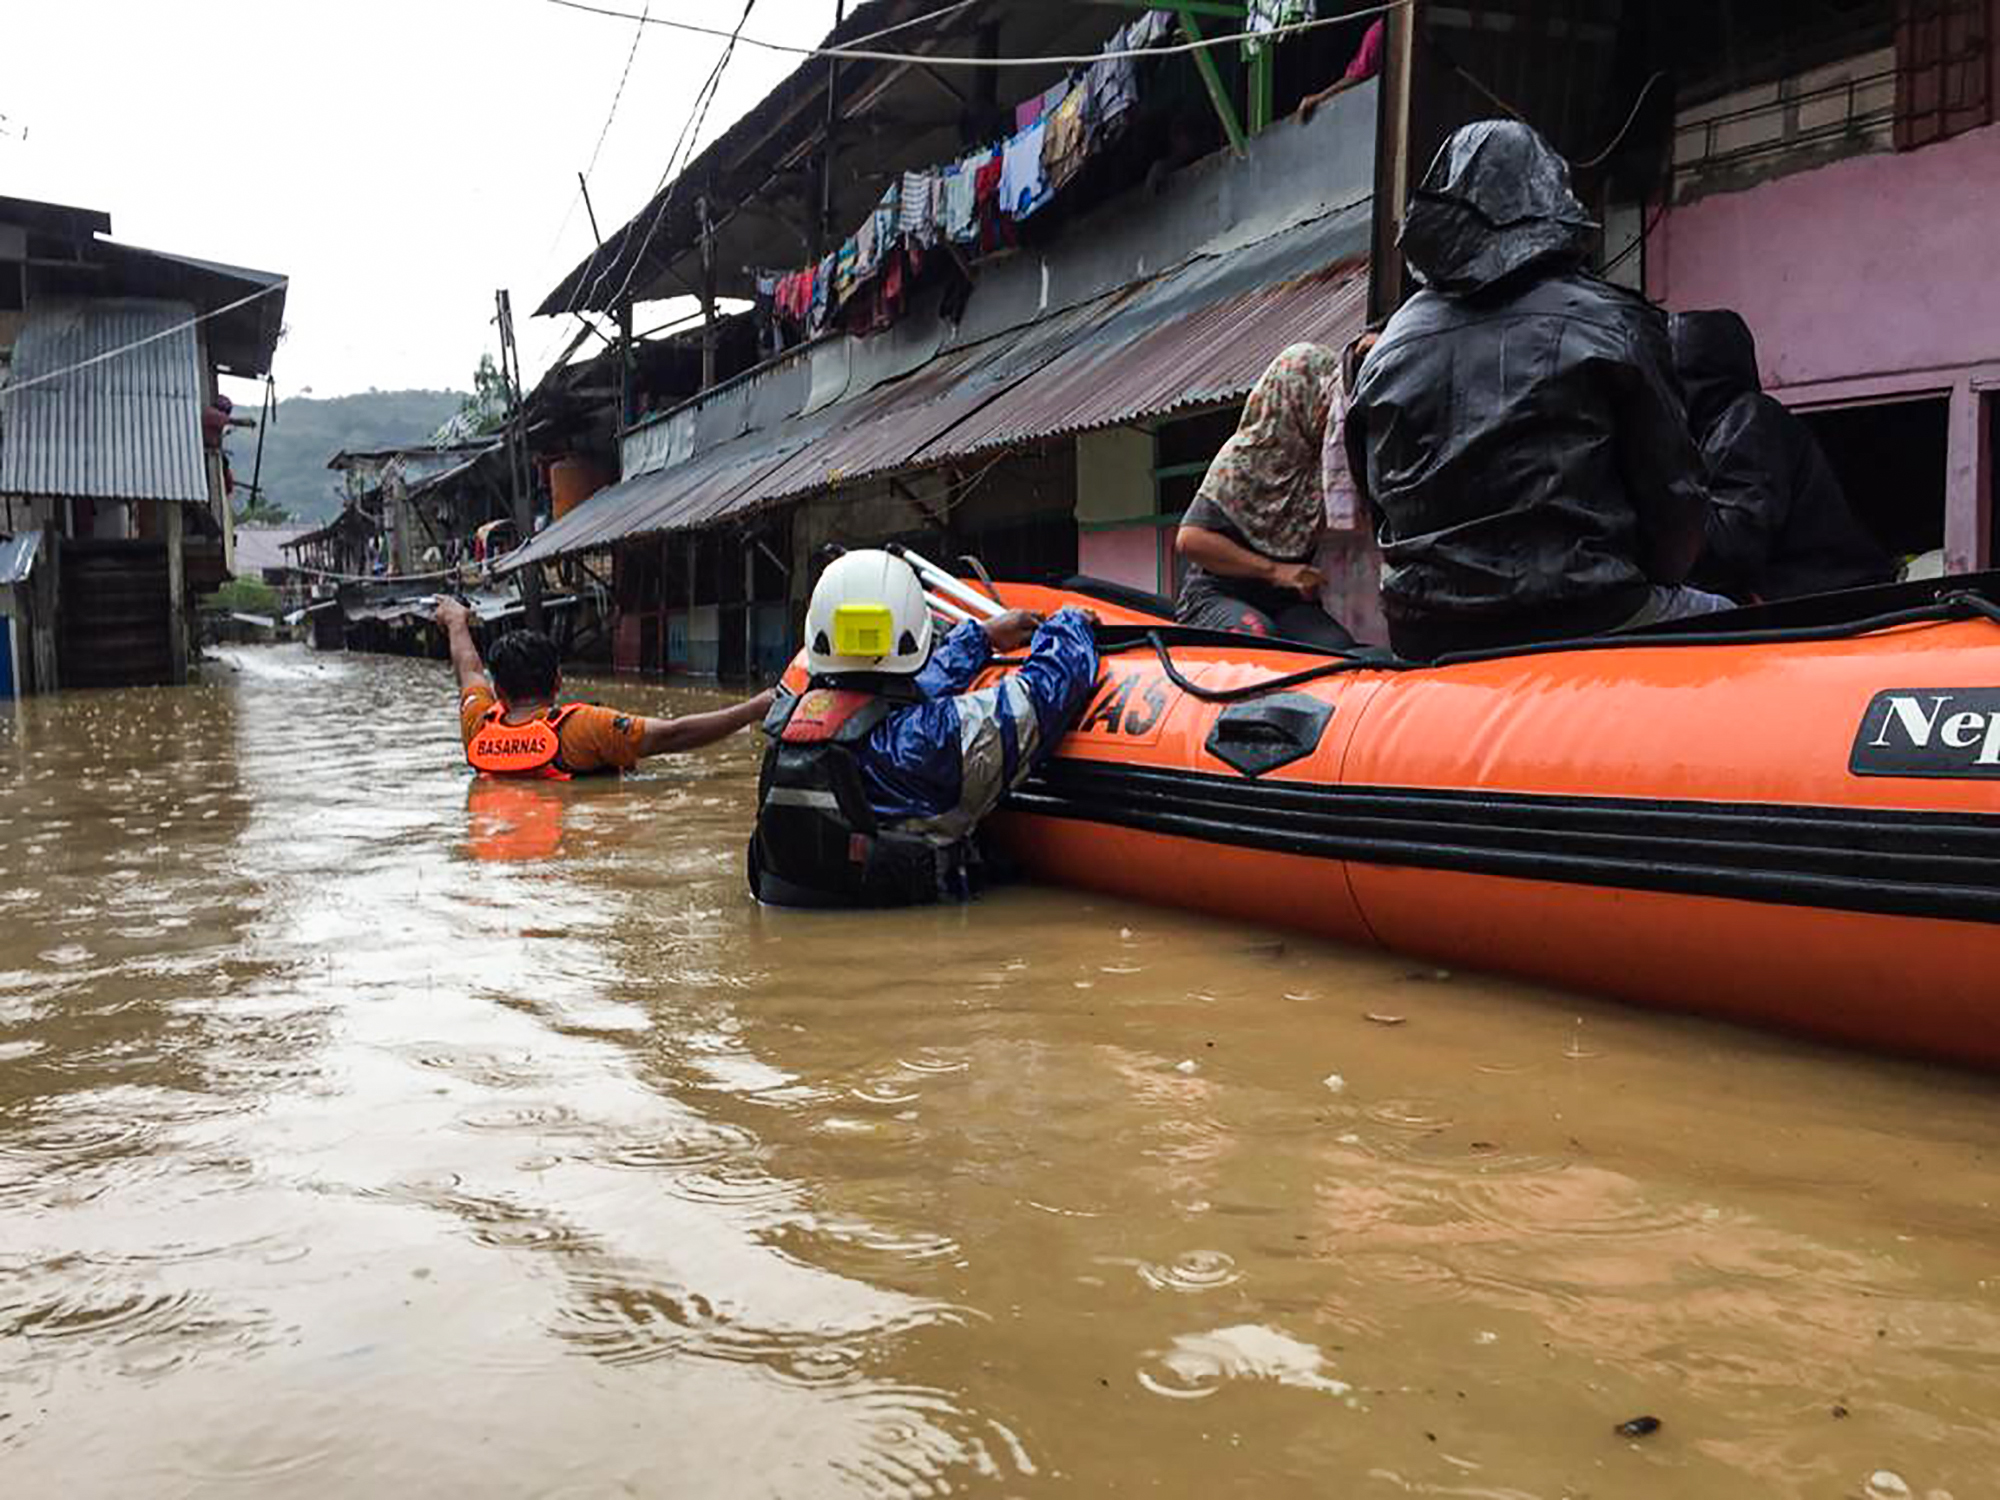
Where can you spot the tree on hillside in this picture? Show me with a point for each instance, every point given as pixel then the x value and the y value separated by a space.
pixel 485 410
pixel 309 430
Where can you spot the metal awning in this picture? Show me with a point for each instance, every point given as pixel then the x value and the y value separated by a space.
pixel 426 484
pixel 1196 335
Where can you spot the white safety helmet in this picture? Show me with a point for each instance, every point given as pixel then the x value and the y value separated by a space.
pixel 868 614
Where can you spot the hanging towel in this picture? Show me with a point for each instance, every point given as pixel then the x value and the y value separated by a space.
pixel 914 221
pixel 1023 186
pixel 1065 139
pixel 961 220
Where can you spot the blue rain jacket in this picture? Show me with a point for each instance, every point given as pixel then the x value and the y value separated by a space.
pixel 939 766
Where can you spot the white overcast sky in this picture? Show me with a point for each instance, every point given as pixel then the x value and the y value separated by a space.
pixel 398 159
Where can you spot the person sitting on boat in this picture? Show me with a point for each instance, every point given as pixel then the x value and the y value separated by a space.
pixel 1251 535
pixel 1779 524
pixel 1518 430
pixel 878 774
pixel 514 724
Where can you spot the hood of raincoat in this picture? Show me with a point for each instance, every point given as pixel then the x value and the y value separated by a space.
pixel 1495 201
pixel 1716 359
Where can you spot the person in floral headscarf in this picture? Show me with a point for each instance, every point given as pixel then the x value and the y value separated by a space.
pixel 1249 537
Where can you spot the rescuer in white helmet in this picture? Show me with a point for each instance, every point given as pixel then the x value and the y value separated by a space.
pixel 878 774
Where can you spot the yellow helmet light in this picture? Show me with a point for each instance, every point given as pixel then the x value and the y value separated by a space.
pixel 866 630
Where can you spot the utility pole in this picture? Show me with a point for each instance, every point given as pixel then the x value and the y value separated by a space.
pixel 517 455
pixel 708 330
pixel 823 231
pixel 624 315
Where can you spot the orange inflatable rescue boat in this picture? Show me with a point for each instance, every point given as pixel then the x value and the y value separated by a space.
pixel 1788 815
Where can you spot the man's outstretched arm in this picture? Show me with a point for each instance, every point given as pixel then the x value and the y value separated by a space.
pixel 456 622
pixel 692 731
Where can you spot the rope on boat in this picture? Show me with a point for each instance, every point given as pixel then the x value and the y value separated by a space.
pixel 1959 605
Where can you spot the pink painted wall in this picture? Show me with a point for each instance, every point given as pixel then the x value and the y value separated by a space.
pixel 1128 555
pixel 1875 265
pixel 1872 277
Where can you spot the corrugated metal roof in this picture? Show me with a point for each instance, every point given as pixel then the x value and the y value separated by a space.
pixel 17 556
pixel 1137 367
pixel 127 428
pixel 1195 336
pixel 423 484
pixel 349 519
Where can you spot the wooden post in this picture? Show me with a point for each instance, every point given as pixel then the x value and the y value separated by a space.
pixel 708 330
pixel 46 586
pixel 174 528
pixel 1392 161
pixel 628 396
pixel 823 237
pixel 749 610
pixel 264 420
pixel 517 458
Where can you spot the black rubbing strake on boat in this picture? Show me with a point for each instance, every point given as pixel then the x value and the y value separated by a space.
pixel 1854 859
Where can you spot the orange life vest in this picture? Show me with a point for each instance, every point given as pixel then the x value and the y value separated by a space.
pixel 531 749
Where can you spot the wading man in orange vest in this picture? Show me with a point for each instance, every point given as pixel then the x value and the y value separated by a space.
pixel 514 724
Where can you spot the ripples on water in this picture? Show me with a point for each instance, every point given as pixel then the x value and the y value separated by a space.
pixel 364 1128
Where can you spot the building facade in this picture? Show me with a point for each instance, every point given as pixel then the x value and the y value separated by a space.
pixel 112 442
pixel 1050 400
pixel 1041 393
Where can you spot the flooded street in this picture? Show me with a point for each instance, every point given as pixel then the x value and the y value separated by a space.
pixel 368 1131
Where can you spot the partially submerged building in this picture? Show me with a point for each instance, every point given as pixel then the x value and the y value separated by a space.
pixel 416 521
pixel 1047 392
pixel 111 443
pixel 1042 392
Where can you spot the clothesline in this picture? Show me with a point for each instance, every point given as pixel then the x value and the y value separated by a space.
pixel 975 202
pixel 949 60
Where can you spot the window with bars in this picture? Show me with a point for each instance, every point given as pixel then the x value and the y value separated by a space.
pixel 1944 69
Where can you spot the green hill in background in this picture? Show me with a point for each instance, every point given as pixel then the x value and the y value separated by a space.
pixel 309 430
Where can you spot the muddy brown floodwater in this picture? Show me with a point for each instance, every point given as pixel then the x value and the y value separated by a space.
pixel 368 1132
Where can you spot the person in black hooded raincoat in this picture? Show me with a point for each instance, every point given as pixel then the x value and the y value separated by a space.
pixel 1518 430
pixel 1779 524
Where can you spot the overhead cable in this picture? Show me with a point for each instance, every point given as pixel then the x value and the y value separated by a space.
pixel 644 17
pixel 673 161
pixel 947 60
pixel 152 338
pixel 1625 129
pixel 583 177
pixel 638 32
pixel 683 152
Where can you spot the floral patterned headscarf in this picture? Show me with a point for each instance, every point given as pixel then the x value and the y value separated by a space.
pixel 1266 478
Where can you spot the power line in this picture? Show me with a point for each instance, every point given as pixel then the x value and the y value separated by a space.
pixel 586 285
pixel 151 338
pixel 1625 129
pixel 682 153
pixel 644 16
pixel 583 178
pixel 947 60
pixel 638 32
